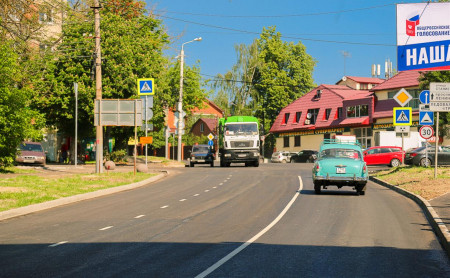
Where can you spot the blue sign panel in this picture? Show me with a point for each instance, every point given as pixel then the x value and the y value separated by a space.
pixel 145 86
pixel 426 118
pixel 402 116
pixel 423 56
pixel 424 97
pixel 211 142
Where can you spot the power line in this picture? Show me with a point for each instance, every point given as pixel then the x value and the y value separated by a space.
pixel 286 37
pixel 275 16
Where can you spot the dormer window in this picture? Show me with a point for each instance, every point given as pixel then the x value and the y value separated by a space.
pixel 286 118
pixel 318 94
pixel 327 114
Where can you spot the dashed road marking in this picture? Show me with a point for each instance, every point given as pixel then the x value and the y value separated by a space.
pixel 182 200
pixel 57 244
pixel 105 228
pixel 215 187
pixel 221 183
pixel 163 207
pixel 207 190
pixel 139 216
pixel 196 195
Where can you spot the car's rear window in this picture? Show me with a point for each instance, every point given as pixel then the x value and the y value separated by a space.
pixel 200 149
pixel 31 147
pixel 340 153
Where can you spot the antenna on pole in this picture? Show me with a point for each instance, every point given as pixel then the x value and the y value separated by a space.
pixel 345 54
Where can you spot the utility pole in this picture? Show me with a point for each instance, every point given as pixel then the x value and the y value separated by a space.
pixel 98 88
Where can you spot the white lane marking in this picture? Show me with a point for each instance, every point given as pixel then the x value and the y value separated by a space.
pixel 221 183
pixel 139 216
pixel 228 178
pixel 57 244
pixel 253 239
pixel 215 187
pixel 163 207
pixel 207 190
pixel 106 228
pixel 196 195
pixel 225 180
pixel 182 200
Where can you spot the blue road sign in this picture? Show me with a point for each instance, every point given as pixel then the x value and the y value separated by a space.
pixel 211 142
pixel 146 86
pixel 424 97
pixel 402 116
pixel 426 118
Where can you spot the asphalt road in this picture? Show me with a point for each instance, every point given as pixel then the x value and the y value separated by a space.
pixel 227 222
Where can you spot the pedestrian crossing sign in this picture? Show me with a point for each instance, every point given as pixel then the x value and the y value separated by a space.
pixel 402 116
pixel 146 86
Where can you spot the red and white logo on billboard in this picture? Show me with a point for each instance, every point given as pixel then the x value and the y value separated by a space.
pixel 411 25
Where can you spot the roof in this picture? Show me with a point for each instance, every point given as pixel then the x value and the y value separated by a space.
pixel 355 121
pixel 371 80
pixel 384 108
pixel 210 123
pixel 403 79
pixel 332 97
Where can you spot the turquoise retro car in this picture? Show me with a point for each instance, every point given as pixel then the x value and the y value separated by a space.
pixel 340 163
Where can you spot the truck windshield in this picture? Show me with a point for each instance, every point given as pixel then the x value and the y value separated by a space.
pixel 241 129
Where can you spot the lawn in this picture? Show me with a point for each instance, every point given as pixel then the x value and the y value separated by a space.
pixel 22 188
pixel 419 180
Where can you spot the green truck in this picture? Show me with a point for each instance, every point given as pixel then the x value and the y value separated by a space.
pixel 239 140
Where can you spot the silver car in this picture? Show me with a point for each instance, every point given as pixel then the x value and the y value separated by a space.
pixel 281 157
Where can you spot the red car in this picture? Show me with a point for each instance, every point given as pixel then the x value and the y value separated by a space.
pixel 384 155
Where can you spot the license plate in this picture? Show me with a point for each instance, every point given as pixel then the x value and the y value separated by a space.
pixel 340 170
pixel 200 160
pixel 28 161
pixel 242 155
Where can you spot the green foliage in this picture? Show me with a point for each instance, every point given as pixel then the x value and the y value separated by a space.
pixel 17 121
pixel 443 77
pixel 118 156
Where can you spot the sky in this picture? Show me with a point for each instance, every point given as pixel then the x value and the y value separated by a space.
pixel 345 37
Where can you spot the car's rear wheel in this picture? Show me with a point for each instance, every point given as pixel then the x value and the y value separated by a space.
pixel 395 162
pixel 317 188
pixel 292 160
pixel 425 162
pixel 191 164
pixel 283 161
pixel 212 163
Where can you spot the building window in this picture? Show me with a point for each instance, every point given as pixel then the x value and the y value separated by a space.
pixel 327 114
pixel 297 141
pixel 297 116
pixel 45 15
pixel 286 118
pixel 364 136
pixel 364 86
pixel 313 115
pixel 357 111
pixel 202 127
pixel 339 112
pixel 286 142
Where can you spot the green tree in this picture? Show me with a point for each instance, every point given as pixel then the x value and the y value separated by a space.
pixel 17 120
pixel 284 74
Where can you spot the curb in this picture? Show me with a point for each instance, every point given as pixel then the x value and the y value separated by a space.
pixel 439 227
pixel 77 198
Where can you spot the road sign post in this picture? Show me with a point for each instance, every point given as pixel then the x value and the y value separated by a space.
pixel 440 97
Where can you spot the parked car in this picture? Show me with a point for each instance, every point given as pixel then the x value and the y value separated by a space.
pixel 201 154
pixel 31 153
pixel 304 156
pixel 340 164
pixel 281 157
pixel 384 155
pixel 419 157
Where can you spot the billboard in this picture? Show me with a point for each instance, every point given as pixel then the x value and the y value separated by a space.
pixel 423 36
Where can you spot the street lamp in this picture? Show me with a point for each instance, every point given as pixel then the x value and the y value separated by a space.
pixel 180 101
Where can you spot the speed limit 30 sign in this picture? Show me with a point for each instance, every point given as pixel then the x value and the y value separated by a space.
pixel 426 132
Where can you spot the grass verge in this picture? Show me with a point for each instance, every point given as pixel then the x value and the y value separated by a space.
pixel 419 180
pixel 24 190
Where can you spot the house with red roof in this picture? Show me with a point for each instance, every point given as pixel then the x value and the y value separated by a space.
pixel 204 126
pixel 345 109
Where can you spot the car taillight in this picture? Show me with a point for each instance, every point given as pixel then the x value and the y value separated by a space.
pixel 317 168
pixel 364 168
pixel 412 154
